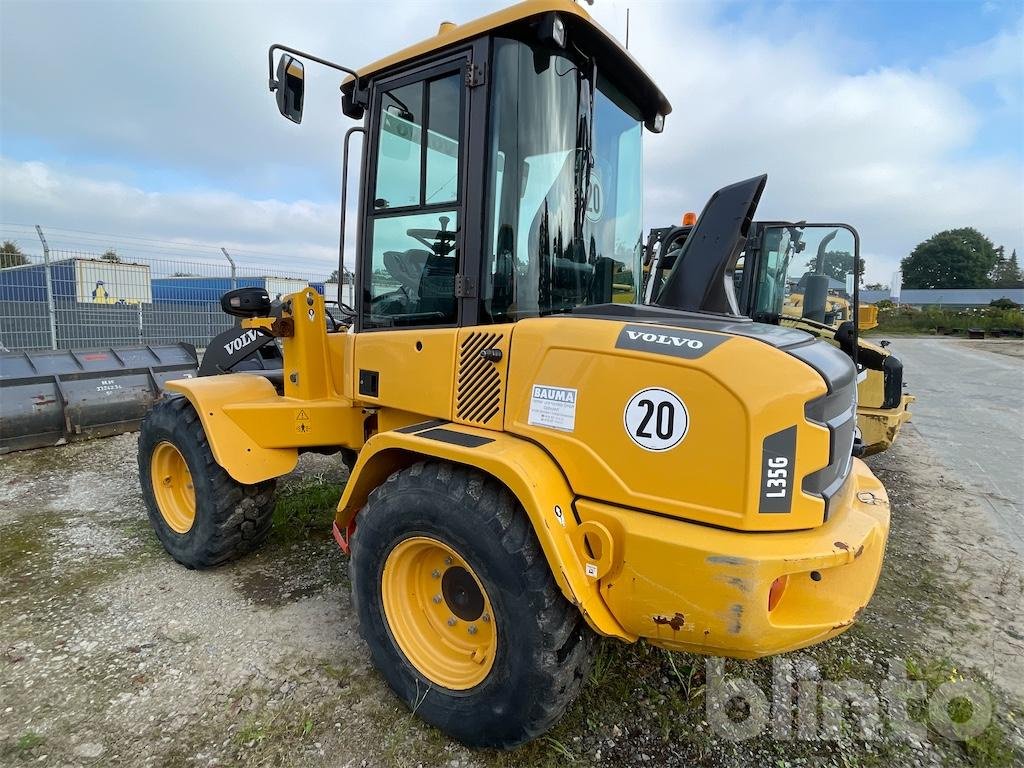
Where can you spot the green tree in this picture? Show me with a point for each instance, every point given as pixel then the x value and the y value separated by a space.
pixel 1003 303
pixel 1006 272
pixel 838 264
pixel 876 287
pixel 11 255
pixel 111 255
pixel 954 258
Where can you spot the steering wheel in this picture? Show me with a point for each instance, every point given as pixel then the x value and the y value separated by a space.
pixel 439 241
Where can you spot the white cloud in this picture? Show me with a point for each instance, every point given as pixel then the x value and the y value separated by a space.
pixel 880 149
pixel 266 235
pixel 163 109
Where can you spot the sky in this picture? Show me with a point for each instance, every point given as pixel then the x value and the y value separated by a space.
pixel 137 124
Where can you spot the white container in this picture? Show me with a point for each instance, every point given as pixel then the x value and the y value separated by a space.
pixel 109 282
pixel 347 293
pixel 279 287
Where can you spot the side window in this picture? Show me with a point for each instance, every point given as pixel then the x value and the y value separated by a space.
pixel 414 252
pixel 442 149
pixel 398 154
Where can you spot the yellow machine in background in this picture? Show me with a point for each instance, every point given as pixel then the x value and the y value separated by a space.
pixel 770 281
pixel 837 308
pixel 535 463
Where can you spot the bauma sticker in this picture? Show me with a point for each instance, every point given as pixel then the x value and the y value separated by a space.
pixel 553 407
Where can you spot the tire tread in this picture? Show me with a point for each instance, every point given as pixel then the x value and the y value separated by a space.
pixel 241 514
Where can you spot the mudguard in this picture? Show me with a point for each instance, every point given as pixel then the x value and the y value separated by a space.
pixel 235 449
pixel 528 472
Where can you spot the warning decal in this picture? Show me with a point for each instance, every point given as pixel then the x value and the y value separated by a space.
pixel 553 407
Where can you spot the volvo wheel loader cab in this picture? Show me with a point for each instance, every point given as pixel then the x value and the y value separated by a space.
pixel 805 276
pixel 537 462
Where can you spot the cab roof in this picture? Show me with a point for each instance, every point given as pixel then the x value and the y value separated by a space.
pixel 614 61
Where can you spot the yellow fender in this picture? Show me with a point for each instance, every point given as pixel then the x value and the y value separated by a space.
pixel 526 470
pixel 236 450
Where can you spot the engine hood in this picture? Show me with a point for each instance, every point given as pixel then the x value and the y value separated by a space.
pixel 676 414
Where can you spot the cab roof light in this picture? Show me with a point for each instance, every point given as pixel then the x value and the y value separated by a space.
pixel 552 30
pixel 689 219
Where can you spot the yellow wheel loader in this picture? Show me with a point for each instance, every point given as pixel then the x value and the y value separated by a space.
pixel 777 280
pixel 534 463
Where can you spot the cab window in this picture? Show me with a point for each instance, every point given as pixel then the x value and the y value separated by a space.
pixel 415 238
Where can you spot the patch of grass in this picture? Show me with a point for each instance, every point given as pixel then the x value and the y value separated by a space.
pixel 992 748
pixel 281 729
pixel 305 509
pixel 30 559
pixel 23 744
pixel 252 733
pixel 27 545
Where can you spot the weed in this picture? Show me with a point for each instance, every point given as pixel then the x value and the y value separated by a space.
pixel 23 745
pixel 305 509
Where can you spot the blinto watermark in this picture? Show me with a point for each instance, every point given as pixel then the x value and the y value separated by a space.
pixel 803 706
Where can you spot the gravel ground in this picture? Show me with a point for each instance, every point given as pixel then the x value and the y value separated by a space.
pixel 112 654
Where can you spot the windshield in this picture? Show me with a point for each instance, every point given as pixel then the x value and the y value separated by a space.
pixel 806 272
pixel 565 218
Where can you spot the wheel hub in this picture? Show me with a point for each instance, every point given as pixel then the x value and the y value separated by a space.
pixel 172 487
pixel 438 613
pixel 461 594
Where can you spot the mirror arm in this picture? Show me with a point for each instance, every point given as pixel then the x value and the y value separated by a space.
pixel 274 84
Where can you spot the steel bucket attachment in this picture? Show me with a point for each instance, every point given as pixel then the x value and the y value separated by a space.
pixel 57 396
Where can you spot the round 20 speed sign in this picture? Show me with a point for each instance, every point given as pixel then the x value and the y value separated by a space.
pixel 656 419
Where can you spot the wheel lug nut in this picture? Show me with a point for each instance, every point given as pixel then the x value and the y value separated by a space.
pixel 437 599
pixel 448 560
pixel 486 617
pixel 436 574
pixel 451 622
pixel 471 629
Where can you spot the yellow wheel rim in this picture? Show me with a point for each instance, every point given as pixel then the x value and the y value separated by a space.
pixel 172 487
pixel 439 613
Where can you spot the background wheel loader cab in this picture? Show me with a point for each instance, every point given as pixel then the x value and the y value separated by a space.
pixel 802 276
pixel 537 463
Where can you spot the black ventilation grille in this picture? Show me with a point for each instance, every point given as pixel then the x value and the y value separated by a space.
pixel 479 388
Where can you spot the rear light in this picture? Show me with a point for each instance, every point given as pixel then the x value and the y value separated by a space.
pixel 776 591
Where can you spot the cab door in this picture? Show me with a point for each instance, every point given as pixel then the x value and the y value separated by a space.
pixel 413 242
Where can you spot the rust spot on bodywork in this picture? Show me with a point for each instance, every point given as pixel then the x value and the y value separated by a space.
pixel 676 622
pixel 852 620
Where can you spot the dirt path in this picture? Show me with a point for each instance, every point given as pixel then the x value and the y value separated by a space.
pixel 112 654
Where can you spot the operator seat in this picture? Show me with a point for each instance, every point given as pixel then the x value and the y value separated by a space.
pixel 437 286
pixel 407 268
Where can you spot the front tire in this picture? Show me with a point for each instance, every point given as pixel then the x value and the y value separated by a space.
pixel 200 514
pixel 459 608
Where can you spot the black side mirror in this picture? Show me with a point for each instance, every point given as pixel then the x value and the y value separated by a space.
pixel 246 302
pixel 290 87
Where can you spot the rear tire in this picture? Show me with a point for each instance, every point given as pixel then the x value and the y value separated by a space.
pixel 540 645
pixel 200 514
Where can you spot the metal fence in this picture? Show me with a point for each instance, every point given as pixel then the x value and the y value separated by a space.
pixel 64 298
